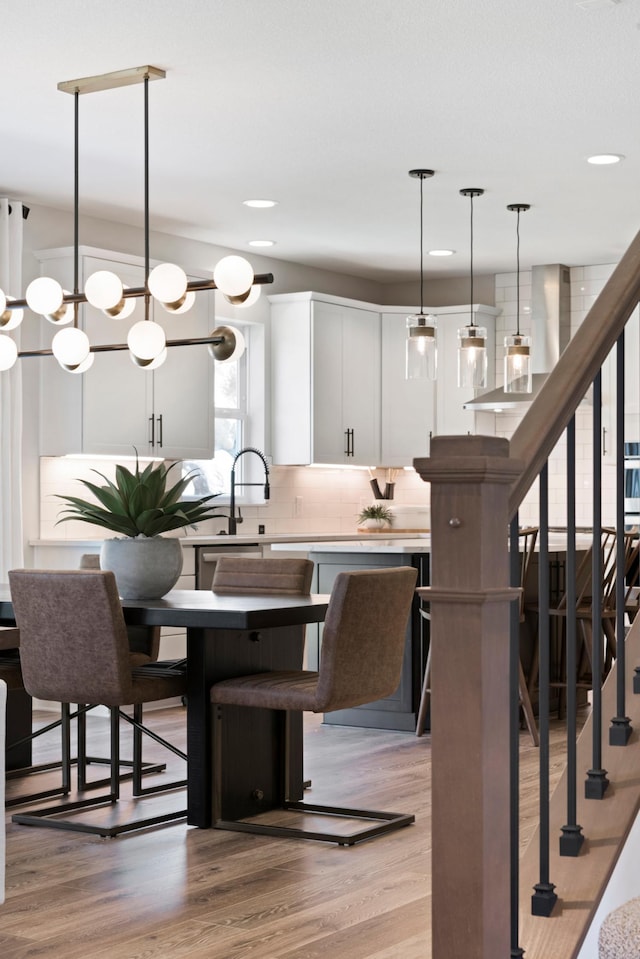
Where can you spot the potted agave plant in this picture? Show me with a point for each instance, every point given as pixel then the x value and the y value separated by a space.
pixel 139 508
pixel 375 517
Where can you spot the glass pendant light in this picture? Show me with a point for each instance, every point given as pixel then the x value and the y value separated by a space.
pixel 421 355
pixel 472 339
pixel 517 348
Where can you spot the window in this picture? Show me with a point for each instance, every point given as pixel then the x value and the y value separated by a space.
pixel 234 426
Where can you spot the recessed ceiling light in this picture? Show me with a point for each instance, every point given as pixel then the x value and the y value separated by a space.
pixel 602 159
pixel 441 252
pixel 260 204
pixel 261 242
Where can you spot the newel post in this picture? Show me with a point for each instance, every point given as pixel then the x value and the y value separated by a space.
pixel 470 599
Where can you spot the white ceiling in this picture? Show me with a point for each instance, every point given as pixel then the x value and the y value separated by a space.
pixel 324 105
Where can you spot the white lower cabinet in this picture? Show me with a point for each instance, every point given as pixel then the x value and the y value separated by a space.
pixel 116 405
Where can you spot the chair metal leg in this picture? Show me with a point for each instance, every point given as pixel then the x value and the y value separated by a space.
pixel 527 708
pixel 425 699
pixel 57 817
pixel 138 767
pixel 378 822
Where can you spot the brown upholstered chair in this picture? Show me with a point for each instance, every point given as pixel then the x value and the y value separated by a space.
pixel 144 647
pixel 74 649
pixel 11 673
pixel 362 648
pixel 289 577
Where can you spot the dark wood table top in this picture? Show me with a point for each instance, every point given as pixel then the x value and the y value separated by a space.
pixel 201 608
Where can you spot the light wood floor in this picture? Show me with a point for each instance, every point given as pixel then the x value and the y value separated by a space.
pixel 178 891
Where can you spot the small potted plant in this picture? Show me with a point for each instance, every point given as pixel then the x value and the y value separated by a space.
pixel 375 517
pixel 139 508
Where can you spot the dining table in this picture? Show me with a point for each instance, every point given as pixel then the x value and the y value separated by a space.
pixel 227 636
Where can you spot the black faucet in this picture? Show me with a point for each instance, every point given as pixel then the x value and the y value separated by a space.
pixel 233 519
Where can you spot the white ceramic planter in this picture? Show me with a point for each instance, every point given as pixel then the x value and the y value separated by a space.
pixel 144 567
pixel 373 524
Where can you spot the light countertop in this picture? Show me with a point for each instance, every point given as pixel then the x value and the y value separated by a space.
pixel 242 540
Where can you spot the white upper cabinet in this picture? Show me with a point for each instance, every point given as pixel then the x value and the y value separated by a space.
pixel 339 393
pixel 116 405
pixel 325 380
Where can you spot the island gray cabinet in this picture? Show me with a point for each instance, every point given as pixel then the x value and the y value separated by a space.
pixel 398 711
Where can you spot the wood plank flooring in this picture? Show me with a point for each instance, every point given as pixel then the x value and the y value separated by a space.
pixel 177 891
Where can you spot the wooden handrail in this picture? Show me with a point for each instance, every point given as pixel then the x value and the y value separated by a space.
pixel 574 372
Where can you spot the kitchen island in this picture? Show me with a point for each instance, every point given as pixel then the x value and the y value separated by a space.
pixel 398 711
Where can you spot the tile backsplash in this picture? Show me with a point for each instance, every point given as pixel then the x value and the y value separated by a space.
pixel 303 499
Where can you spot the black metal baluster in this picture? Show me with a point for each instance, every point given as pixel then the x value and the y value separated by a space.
pixel 620 728
pixel 596 782
pixel 543 898
pixel 571 839
pixel 514 735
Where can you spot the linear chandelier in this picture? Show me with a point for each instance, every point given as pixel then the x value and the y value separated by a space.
pixel 167 283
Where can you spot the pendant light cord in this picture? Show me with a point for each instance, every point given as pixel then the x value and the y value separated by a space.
pixel 76 204
pixel 421 251
pixel 518 274
pixel 147 296
pixel 472 322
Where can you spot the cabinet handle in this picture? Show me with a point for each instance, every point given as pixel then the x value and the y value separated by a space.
pixel 604 440
pixel 160 431
pixel 353 445
pixel 348 434
pixel 152 431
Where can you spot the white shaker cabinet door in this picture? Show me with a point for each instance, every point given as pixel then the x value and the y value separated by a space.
pixel 183 397
pixel 346 385
pixel 117 396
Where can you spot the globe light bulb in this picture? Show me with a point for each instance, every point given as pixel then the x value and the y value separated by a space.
pixel 10 319
pixel 254 296
pixel 183 305
pixel 123 309
pixel 150 364
pixel 70 347
pixel 84 366
pixel 44 295
pixel 64 314
pixel 103 290
pixel 167 283
pixel 8 352
pixel 232 346
pixel 146 340
pixel 233 275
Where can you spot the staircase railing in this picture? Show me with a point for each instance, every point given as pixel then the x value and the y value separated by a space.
pixel 477 486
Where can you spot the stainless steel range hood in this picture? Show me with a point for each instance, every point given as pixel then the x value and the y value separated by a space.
pixel 550 333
